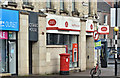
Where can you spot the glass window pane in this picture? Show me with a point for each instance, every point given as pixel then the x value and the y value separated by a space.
pixel 12 35
pixel 58 39
pixel 73 5
pixel 50 39
pixel 48 3
pixel 3 56
pixel 66 39
pixel 61 4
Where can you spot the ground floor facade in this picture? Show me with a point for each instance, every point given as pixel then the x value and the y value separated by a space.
pixel 35 47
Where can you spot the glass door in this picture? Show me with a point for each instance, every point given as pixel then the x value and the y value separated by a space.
pixel 12 57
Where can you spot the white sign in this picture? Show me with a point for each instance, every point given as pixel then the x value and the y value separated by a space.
pixel 112 13
pixel 103 29
pixel 56 22
pixel 89 26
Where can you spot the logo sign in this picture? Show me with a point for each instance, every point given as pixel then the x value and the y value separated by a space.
pixel 3 35
pixel 66 24
pixel 95 35
pixel 9 20
pixel 52 22
pixel 103 29
pixel 33 26
pixel 89 26
pixel 56 22
pixel 98 44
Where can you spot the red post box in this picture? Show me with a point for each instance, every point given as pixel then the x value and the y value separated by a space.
pixel 64 63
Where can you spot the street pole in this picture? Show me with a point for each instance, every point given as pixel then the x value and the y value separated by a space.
pixel 116 42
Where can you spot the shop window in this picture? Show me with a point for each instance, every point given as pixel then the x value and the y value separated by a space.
pixel 60 39
pixel 3 54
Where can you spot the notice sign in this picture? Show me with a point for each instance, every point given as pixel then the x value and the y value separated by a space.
pixel 33 26
pixel 103 29
pixel 98 44
pixel 3 35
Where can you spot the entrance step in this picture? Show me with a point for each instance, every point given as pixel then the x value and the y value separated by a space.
pixel 5 74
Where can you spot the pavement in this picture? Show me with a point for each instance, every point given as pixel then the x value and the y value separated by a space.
pixel 109 71
pixel 105 73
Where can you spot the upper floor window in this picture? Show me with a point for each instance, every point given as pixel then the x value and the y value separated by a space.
pixel 89 10
pixel 27 2
pixel 48 4
pixel 73 5
pixel 105 19
pixel 62 5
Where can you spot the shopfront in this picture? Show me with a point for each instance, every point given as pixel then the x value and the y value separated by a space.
pixel 9 27
pixel 63 30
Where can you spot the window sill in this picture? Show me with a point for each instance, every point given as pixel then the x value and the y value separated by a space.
pixel 28 6
pixel 56 46
pixel 75 13
pixel 64 11
pixel 50 10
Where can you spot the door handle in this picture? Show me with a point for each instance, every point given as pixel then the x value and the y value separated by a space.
pixel 10 57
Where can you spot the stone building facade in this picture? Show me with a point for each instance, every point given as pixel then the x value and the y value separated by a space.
pixel 39 57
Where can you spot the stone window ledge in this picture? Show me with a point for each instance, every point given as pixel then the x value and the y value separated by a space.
pixel 13 4
pixel 64 11
pixel 28 6
pixel 50 10
pixel 56 46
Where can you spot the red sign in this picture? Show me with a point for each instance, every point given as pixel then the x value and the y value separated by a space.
pixel 104 29
pixel 74 52
pixel 66 24
pixel 95 35
pixel 52 22
pixel 91 26
pixel 3 35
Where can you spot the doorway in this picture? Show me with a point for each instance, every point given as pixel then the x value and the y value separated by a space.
pixel 30 57
pixel 12 57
